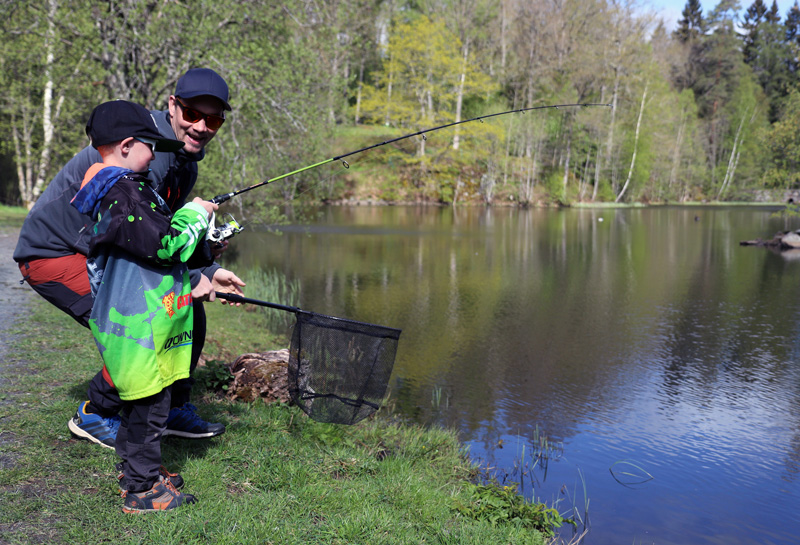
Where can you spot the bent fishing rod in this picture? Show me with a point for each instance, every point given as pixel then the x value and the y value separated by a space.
pixel 219 199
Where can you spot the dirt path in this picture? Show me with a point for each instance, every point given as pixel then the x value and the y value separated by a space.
pixel 13 296
pixel 13 301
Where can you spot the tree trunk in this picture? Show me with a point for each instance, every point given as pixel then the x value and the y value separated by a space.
pixel 358 93
pixel 635 145
pixel 47 102
pixel 387 116
pixel 734 158
pixel 32 180
pixel 566 164
pixel 460 98
pixel 584 175
pixel 610 142
pixel 332 90
pixel 22 140
pixel 503 36
pixel 676 157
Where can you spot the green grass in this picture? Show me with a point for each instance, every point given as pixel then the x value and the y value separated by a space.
pixel 12 215
pixel 275 476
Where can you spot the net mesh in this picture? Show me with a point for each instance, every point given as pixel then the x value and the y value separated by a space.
pixel 339 369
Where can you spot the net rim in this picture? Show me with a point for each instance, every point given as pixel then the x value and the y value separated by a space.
pixel 391 331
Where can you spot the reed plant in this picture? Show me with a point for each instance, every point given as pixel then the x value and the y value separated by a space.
pixel 273 286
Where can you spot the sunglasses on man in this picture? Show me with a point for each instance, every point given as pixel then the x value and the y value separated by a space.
pixel 190 115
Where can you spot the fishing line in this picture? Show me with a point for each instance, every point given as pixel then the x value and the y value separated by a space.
pixel 219 199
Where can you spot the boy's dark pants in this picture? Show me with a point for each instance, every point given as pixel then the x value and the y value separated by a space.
pixel 104 398
pixel 139 439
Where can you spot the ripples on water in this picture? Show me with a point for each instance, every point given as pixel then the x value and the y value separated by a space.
pixel 649 344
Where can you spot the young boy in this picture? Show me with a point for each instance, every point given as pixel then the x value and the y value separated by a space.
pixel 142 313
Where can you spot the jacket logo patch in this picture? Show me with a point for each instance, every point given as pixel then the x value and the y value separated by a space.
pixel 184 300
pixel 168 301
pixel 183 339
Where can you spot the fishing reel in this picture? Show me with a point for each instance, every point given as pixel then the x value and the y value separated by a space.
pixel 217 235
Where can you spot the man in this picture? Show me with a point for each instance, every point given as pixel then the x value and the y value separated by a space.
pixel 53 243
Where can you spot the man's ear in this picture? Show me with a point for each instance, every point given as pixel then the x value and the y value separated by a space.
pixel 172 107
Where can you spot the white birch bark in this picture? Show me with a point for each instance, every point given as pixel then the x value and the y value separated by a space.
pixel 635 145
pixel 360 88
pixel 460 98
pixel 733 161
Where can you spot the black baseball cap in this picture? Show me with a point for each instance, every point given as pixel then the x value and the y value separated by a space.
pixel 117 120
pixel 203 81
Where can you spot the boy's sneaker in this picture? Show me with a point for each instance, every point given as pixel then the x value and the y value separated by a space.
pixel 94 427
pixel 165 474
pixel 161 497
pixel 185 422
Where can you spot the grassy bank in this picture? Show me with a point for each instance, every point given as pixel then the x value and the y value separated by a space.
pixel 12 216
pixel 274 477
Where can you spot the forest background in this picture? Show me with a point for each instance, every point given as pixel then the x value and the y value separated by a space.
pixel 708 111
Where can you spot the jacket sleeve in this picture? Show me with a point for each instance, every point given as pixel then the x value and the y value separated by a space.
pixel 53 228
pixel 141 227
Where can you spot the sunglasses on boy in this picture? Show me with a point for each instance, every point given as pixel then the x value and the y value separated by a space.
pixel 150 142
pixel 190 115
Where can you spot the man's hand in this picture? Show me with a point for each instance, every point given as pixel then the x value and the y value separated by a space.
pixel 204 290
pixel 226 282
pixel 218 249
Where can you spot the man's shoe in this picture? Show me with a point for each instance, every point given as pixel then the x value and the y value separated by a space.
pixel 94 427
pixel 122 480
pixel 185 422
pixel 161 497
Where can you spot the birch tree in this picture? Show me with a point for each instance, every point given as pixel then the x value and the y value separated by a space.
pixel 39 69
pixel 421 67
pixel 635 144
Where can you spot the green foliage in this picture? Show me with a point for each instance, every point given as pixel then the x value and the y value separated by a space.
pixel 791 212
pixel 47 88
pixel 300 73
pixel 214 376
pixel 500 505
pixel 419 80
pixel 605 193
pixel 783 141
pixel 274 287
pixel 554 184
pixel 278 122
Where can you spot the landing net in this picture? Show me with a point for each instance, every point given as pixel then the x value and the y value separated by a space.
pixel 339 369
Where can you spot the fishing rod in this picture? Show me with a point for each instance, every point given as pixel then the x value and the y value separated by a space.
pixel 219 199
pixel 217 235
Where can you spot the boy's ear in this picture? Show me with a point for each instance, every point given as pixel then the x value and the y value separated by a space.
pixel 126 145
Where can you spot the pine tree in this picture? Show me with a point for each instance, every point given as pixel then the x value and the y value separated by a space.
pixel 792 36
pixel 773 15
pixel 754 17
pixel 692 26
pixel 766 51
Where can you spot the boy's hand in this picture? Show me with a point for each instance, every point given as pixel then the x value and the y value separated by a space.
pixel 204 290
pixel 208 205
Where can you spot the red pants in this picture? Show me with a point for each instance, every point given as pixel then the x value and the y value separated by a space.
pixel 64 282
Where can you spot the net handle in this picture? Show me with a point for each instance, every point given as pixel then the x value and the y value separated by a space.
pixel 239 299
pixel 297 311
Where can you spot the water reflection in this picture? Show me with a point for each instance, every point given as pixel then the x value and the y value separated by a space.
pixel 644 336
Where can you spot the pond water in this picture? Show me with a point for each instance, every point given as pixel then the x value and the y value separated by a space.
pixel 637 366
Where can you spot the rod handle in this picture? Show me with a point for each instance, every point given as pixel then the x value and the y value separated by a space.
pixel 219 199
